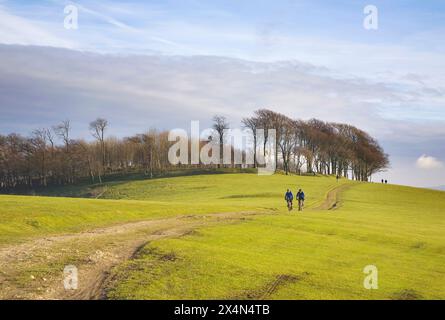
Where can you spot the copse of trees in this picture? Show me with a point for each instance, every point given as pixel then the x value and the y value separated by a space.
pixel 320 147
pixel 51 156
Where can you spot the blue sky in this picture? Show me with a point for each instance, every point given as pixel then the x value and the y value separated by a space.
pixel 401 23
pixel 303 58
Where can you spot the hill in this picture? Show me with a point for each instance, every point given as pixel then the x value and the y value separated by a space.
pixel 226 236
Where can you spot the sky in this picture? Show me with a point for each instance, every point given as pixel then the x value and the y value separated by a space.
pixel 144 64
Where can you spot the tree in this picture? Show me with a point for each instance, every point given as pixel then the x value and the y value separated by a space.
pixel 63 130
pixel 286 140
pixel 39 141
pixel 252 123
pixel 97 128
pixel 220 124
pixel 264 122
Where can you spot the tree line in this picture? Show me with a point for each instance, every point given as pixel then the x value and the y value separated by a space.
pixel 51 156
pixel 315 146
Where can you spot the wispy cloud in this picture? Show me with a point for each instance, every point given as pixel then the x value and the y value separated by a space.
pixel 18 30
pixel 104 17
pixel 141 32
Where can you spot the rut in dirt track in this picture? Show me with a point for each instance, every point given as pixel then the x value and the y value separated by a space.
pixel 332 200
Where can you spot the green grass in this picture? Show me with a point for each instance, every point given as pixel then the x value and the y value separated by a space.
pixel 84 188
pixel 23 217
pixel 317 255
pixel 242 190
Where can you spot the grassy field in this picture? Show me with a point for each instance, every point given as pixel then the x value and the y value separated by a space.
pixel 24 216
pixel 317 254
pixel 314 255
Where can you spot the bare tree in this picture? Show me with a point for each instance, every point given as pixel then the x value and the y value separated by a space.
pixel 252 123
pixel 264 122
pixel 39 141
pixel 220 124
pixel 62 130
pixel 98 128
pixel 286 141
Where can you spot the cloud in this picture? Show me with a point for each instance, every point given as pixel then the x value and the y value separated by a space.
pixel 18 30
pixel 176 88
pixel 428 162
pixel 171 89
pixel 110 20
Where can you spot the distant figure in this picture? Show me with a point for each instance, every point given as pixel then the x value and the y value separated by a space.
pixel 300 198
pixel 383 181
pixel 289 197
pixel 386 181
pixel 338 177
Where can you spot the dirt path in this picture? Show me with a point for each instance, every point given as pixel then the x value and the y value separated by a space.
pixel 34 270
pixel 332 200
